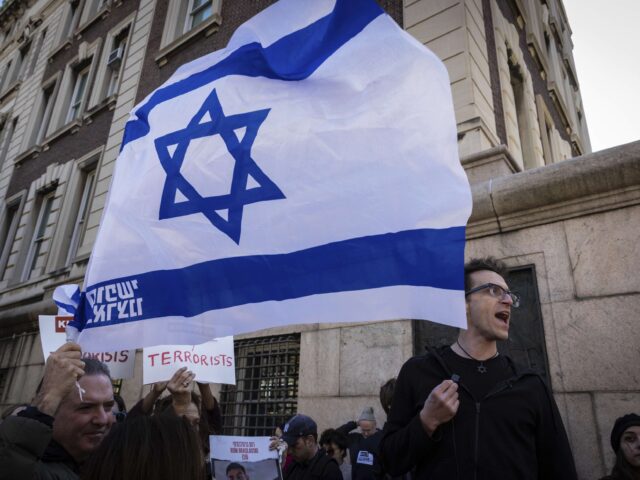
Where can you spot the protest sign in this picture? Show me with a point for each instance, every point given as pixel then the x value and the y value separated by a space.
pixel 212 362
pixel 251 456
pixel 53 336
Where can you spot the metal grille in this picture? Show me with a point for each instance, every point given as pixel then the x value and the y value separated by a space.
pixel 4 375
pixel 266 390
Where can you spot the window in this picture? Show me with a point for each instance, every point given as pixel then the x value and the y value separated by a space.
pixel 9 228
pixel 199 11
pixel 524 132
pixel 70 20
pixel 88 185
pixel 266 390
pixel 92 7
pixel 5 76
pixel 22 64
pixel 114 61
pixel 33 261
pixel 44 114
pixel 36 52
pixel 183 16
pixel 6 141
pixel 77 96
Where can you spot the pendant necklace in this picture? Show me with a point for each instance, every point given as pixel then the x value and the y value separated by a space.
pixel 481 367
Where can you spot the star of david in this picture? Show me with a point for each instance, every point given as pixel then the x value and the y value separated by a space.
pixel 208 121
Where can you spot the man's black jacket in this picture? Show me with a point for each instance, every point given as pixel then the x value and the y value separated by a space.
pixel 321 467
pixel 514 432
pixel 358 443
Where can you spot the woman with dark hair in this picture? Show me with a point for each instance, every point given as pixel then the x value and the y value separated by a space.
pixel 625 441
pixel 335 443
pixel 155 447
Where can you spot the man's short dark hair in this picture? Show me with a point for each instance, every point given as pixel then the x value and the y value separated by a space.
pixel 386 394
pixel 486 263
pixel 235 466
pixel 95 367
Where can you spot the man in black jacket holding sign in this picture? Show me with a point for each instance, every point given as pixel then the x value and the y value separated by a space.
pixel 467 412
pixel 309 460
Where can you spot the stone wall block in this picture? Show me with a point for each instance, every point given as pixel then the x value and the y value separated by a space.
pixel 597 340
pixel 319 363
pixel 543 246
pixel 581 428
pixel 605 252
pixel 371 354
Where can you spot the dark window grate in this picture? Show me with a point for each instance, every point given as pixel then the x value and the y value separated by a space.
pixel 266 390
pixel 4 375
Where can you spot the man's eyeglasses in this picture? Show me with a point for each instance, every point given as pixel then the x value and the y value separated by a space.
pixel 496 291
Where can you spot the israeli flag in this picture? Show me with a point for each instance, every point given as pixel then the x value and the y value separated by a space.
pixel 306 173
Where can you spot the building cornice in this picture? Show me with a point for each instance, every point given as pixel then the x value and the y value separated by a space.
pixel 589 184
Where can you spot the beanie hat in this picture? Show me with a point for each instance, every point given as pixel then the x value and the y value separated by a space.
pixel 622 423
pixel 367 414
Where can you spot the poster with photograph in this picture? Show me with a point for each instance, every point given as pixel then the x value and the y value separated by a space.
pixel 243 458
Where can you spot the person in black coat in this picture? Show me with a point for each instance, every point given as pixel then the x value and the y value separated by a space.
pixel 465 411
pixel 310 461
pixel 364 446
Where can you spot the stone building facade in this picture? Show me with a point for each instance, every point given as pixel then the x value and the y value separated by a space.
pixel 71 71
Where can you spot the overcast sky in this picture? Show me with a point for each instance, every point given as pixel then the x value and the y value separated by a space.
pixel 606 49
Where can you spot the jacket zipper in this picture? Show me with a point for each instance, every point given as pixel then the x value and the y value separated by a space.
pixel 503 386
pixel 475 448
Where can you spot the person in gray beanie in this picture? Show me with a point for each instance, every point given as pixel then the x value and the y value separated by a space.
pixel 625 441
pixel 364 446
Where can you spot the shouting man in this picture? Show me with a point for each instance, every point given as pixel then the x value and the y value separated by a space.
pixel 468 412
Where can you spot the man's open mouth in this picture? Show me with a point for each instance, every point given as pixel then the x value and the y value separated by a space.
pixel 503 316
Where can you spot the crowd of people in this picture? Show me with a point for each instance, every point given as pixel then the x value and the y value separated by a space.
pixel 459 412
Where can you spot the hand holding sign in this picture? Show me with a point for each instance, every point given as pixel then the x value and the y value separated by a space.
pixel 180 386
pixel 211 362
pixel 62 370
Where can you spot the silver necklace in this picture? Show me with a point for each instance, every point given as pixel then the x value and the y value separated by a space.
pixel 481 367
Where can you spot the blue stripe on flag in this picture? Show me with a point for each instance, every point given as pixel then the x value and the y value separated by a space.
pixel 425 257
pixel 293 57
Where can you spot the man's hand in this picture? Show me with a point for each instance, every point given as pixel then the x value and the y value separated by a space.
pixel 62 370
pixel 276 443
pixel 440 406
pixel 180 386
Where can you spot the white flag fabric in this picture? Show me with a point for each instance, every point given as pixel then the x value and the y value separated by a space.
pixel 306 173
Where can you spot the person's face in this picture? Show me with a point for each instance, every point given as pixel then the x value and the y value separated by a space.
pixel 236 474
pixel 367 428
pixel 80 425
pixel 630 446
pixel 336 453
pixel 488 316
pixel 190 412
pixel 302 450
